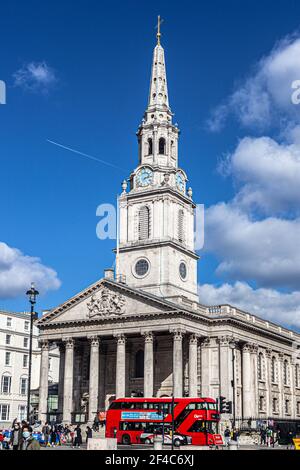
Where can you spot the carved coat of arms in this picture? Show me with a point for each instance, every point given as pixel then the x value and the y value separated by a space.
pixel 106 303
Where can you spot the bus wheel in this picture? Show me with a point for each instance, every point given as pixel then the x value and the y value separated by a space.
pixel 176 442
pixel 126 440
pixel 147 441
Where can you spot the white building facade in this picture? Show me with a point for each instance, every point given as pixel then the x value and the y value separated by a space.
pixel 143 329
pixel 14 362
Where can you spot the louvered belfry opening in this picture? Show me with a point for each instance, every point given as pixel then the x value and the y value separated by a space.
pixel 144 223
pixel 181 225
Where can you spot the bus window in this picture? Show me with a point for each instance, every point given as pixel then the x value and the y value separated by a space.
pixel 198 426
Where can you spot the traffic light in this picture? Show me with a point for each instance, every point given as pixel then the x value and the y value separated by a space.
pixel 225 406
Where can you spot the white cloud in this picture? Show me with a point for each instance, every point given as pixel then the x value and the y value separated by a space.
pixel 264 251
pixel 264 98
pixel 283 308
pixel 17 271
pixel 35 77
pixel 269 173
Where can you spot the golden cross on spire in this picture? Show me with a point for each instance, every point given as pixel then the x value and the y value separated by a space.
pixel 158 35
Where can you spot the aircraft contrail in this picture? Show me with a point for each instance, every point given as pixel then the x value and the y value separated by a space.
pixel 85 155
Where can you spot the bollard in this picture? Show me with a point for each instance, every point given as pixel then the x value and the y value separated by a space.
pixel 157 443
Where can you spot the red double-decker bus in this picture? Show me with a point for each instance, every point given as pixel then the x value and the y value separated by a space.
pixel 130 420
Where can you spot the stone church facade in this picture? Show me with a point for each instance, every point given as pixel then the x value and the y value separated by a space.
pixel 141 329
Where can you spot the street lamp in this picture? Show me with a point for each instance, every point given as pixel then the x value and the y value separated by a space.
pixel 32 294
pixel 232 346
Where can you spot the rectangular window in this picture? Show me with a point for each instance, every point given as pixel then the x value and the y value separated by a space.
pixel 22 412
pixel 25 360
pixel 275 405
pixel 5 384
pixel 8 339
pixel 23 386
pixel 26 341
pixel 50 363
pixel 8 322
pixel 298 408
pixel 4 412
pixel 7 358
pixel 26 325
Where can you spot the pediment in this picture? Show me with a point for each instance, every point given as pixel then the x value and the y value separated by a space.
pixel 104 300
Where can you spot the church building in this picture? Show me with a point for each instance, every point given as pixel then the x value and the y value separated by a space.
pixel 142 328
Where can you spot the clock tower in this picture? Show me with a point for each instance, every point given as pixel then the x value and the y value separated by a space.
pixel 156 239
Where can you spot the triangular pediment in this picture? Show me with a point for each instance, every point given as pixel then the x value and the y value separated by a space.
pixel 103 300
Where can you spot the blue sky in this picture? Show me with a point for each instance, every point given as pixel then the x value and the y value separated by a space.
pixel 78 73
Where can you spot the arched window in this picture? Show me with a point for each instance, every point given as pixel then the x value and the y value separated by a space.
pixel 139 364
pixel 181 225
pixel 273 369
pixel 5 384
pixel 260 365
pixel 285 372
pixel 144 223
pixel 150 147
pixel 162 146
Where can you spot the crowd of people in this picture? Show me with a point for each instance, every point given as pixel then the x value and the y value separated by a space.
pixel 21 436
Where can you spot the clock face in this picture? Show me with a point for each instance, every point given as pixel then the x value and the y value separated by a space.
pixel 179 182
pixel 144 177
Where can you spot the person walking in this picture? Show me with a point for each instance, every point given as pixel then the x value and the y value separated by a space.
pixel 227 435
pixel 28 441
pixel 77 437
pixel 46 432
pixel 16 437
pixel 263 435
pixel 89 433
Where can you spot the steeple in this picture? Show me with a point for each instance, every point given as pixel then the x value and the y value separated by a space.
pixel 158 95
pixel 157 135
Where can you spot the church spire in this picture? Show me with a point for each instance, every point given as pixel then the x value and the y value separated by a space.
pixel 158 95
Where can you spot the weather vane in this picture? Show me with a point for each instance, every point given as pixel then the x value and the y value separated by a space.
pixel 159 23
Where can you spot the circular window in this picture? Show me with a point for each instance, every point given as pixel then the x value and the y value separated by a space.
pixel 141 267
pixel 182 270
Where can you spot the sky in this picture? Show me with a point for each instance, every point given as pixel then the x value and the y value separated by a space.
pixel 77 73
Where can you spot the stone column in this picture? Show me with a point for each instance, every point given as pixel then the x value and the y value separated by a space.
pixel 148 365
pixel 225 365
pixel 280 385
pixel 61 378
pixel 94 378
pixel 205 367
pixel 193 365
pixel 44 373
pixel 68 381
pixel 268 357
pixel 254 380
pixel 177 364
pixel 246 374
pixel 120 366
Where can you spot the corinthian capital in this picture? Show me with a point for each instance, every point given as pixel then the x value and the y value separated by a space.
pixel 148 335
pixel 69 342
pixel 94 341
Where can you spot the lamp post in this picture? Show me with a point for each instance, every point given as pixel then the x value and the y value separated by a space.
pixel 32 294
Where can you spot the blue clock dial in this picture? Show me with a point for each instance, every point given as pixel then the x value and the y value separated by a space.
pixel 144 177
pixel 180 182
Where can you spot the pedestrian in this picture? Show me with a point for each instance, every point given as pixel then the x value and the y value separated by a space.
pixel 89 433
pixel 263 435
pixel 269 436
pixel 235 436
pixel 53 436
pixel 28 441
pixel 77 437
pixel 290 440
pixel 16 436
pixel 227 436
pixel 46 432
